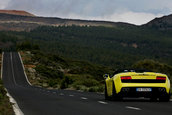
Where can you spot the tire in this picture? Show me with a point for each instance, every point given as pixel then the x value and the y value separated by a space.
pixel 165 98
pixel 106 95
pixel 115 96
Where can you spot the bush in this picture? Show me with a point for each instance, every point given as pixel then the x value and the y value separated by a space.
pixel 48 72
pixel 89 82
pixel 99 88
pixel 65 82
pixel 27 46
pixel 53 83
pixel 5 105
pixel 154 66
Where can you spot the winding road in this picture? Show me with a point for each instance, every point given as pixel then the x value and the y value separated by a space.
pixel 39 101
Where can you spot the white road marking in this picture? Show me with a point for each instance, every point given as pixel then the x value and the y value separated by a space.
pixel 84 98
pixel 61 94
pixel 15 106
pixel 71 95
pixel 80 91
pixel 2 63
pixel 12 68
pixel 24 69
pixel 135 108
pixel 102 102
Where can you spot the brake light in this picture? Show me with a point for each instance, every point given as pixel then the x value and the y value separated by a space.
pixel 160 78
pixel 126 78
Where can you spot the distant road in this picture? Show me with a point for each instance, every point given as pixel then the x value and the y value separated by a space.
pixel 39 101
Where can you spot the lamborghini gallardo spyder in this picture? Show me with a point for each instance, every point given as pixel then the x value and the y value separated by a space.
pixel 137 83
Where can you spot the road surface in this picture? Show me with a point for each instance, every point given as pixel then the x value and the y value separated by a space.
pixel 39 101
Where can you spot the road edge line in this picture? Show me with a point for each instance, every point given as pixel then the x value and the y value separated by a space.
pixel 24 69
pixel 2 63
pixel 15 106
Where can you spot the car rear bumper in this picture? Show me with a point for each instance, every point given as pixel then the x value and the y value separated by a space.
pixel 131 92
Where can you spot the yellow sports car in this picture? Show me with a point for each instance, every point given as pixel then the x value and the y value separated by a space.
pixel 137 83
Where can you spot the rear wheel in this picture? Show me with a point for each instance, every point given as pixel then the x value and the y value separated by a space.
pixel 165 98
pixel 106 95
pixel 115 96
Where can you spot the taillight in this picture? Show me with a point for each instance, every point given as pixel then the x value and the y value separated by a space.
pixel 126 78
pixel 160 78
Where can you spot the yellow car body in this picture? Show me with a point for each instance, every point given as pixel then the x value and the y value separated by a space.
pixel 137 84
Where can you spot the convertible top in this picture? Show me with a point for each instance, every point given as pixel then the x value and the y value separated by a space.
pixel 131 70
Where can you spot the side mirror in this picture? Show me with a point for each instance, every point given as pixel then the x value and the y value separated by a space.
pixel 106 76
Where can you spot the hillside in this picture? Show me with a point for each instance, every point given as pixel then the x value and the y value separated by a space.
pixel 51 71
pixel 113 47
pixel 16 12
pixel 162 23
pixel 28 22
pixel 107 43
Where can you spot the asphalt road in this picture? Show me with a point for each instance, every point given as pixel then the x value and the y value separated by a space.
pixel 38 101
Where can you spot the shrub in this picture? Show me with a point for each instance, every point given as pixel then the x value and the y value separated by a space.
pixel 53 82
pixel 154 66
pixel 48 72
pixel 65 82
pixel 99 88
pixel 89 82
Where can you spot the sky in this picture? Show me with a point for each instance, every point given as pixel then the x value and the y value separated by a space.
pixel 131 11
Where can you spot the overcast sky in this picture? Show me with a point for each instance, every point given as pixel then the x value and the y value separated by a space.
pixel 132 11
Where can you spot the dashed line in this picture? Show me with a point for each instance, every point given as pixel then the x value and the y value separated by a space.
pixel 84 98
pixel 102 102
pixel 61 94
pixel 135 108
pixel 80 91
pixel 71 95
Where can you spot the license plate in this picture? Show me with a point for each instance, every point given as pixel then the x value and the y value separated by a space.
pixel 144 89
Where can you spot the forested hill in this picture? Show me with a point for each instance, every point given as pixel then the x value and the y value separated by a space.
pixel 27 23
pixel 115 47
pixel 107 43
pixel 163 23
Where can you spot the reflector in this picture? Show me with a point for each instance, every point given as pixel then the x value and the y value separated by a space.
pixel 125 77
pixel 160 78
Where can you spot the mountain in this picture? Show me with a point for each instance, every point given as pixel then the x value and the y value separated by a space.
pixel 162 23
pixel 100 42
pixel 24 21
pixel 16 12
pixel 21 20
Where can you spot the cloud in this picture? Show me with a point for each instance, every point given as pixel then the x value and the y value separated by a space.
pixel 137 18
pixel 131 11
pixel 4 3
